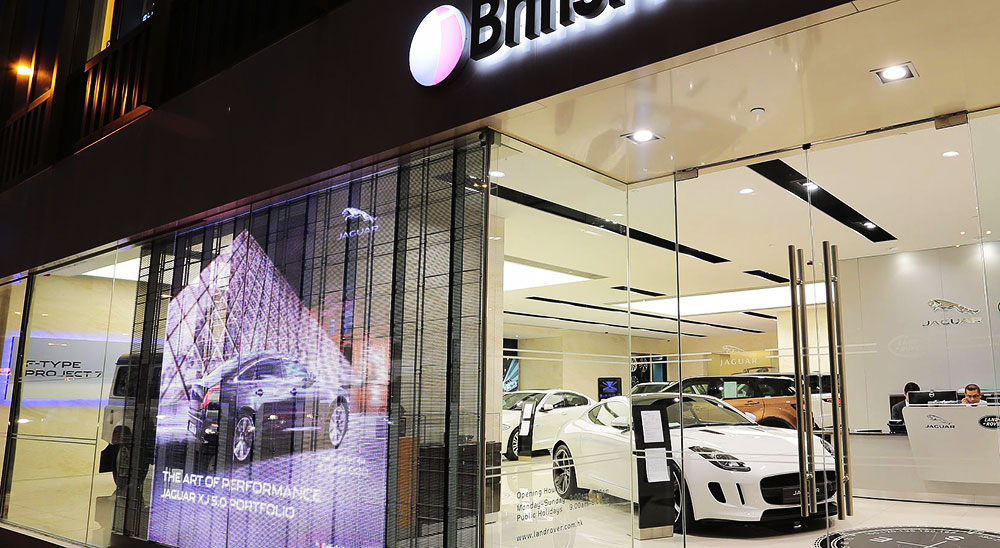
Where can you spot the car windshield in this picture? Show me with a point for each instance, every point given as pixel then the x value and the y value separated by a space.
pixel 650 388
pixel 516 400
pixel 704 412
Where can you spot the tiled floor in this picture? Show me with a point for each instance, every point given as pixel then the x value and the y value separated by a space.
pixel 533 516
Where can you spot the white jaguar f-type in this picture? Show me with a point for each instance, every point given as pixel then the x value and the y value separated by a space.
pixel 733 468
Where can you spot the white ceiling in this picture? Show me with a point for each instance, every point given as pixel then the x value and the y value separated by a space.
pixel 815 84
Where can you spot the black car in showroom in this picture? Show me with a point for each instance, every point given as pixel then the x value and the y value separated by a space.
pixel 257 405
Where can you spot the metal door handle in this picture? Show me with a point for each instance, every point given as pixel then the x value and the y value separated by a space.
pixel 260 391
pixel 803 396
pixel 847 485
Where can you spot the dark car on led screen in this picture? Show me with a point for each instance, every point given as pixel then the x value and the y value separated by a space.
pixel 262 404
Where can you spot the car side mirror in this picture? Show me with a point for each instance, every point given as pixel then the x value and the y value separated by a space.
pixel 620 423
pixel 546 408
pixel 751 416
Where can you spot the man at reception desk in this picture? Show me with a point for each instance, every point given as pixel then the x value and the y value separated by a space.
pixel 973 395
pixel 896 422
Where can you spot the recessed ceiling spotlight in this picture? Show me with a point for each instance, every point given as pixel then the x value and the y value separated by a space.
pixel 24 70
pixel 746 191
pixel 950 154
pixel 895 73
pixel 870 225
pixel 810 186
pixel 758 111
pixel 641 136
pixel 988 232
pixel 617 214
pixel 958 245
pixel 497 174
pixel 590 232
pixel 962 233
pixel 893 248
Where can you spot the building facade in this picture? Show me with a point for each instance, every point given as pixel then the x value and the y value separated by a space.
pixel 499 274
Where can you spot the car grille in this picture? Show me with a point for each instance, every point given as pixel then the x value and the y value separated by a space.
pixel 782 489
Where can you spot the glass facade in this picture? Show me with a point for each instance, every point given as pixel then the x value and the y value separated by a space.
pixel 306 371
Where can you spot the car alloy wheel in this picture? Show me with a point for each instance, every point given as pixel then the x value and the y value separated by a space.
pixel 122 461
pixel 243 438
pixel 338 425
pixel 562 472
pixel 514 442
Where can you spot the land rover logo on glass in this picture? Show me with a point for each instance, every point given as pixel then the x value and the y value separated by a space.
pixel 910 537
pixel 990 421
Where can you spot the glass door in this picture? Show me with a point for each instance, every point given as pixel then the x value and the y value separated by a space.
pixel 740 344
pixel 900 334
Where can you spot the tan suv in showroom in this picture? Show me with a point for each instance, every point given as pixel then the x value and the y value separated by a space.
pixel 771 400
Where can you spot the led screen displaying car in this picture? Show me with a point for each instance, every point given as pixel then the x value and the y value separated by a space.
pixel 267 435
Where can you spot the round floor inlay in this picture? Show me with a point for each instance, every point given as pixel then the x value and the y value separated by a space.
pixel 910 537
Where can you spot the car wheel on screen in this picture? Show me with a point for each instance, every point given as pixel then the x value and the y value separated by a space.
pixel 243 437
pixel 122 460
pixel 563 472
pixel 337 429
pixel 512 444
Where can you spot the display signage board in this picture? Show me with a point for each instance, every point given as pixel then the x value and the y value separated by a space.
pixel 608 387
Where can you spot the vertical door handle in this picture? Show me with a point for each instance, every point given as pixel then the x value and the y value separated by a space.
pixel 848 484
pixel 800 396
pixel 807 403
pixel 832 302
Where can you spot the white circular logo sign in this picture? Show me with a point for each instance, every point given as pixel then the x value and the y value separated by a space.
pixel 439 46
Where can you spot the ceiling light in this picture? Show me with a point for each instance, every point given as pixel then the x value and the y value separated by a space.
pixel 641 136
pixel 495 238
pixel 589 232
pixel 497 174
pixel 521 276
pixel 893 248
pixel 125 270
pixel 617 214
pixel 962 233
pixel 988 232
pixel 757 111
pixel 870 225
pixel 950 154
pixel 733 301
pixel 24 70
pixel 895 73
pixel 810 186
pixel 746 191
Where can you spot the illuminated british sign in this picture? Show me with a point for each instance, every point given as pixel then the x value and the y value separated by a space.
pixel 445 38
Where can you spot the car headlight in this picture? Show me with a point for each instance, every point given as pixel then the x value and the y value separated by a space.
pixel 506 426
pixel 721 460
pixel 827 445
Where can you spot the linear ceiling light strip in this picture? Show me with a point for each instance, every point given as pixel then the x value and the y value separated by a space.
pixel 559 210
pixel 788 178
pixel 641 314
pixel 574 320
pixel 767 276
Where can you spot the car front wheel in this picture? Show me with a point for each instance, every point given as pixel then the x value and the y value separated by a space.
pixel 683 510
pixel 243 437
pixel 564 472
pixel 513 444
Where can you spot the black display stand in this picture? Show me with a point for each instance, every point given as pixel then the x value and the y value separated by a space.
pixel 526 433
pixel 656 495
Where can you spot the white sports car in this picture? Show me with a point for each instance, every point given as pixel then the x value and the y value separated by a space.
pixel 734 469
pixel 552 409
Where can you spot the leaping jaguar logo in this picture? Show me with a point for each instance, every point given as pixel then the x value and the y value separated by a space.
pixel 355 213
pixel 939 423
pixel 941 305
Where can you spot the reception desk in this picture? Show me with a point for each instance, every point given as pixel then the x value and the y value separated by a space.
pixel 947 456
